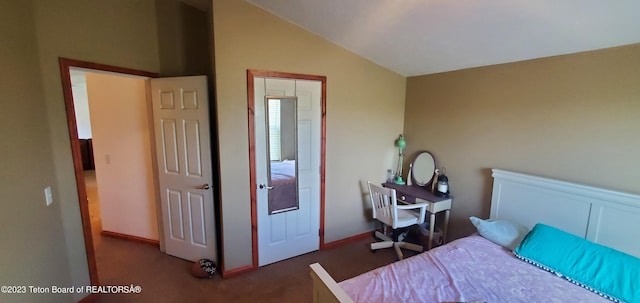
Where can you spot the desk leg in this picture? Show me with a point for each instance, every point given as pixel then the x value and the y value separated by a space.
pixel 432 226
pixel 446 225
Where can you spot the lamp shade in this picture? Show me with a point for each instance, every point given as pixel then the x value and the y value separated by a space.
pixel 401 143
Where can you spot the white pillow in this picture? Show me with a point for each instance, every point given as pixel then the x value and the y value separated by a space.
pixel 502 232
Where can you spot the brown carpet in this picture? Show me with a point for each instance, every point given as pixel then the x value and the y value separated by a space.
pixel 167 279
pixel 164 278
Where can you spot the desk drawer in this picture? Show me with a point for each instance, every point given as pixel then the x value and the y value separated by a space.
pixel 406 198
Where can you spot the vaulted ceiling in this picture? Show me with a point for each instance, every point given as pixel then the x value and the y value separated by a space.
pixel 417 37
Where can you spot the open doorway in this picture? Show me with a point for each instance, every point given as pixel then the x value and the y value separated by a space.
pixel 159 154
pixel 105 158
pixel 112 118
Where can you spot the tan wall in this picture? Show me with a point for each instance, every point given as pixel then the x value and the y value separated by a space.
pixel 121 134
pixel 120 33
pixel 365 106
pixel 572 117
pixel 32 236
pixel 183 38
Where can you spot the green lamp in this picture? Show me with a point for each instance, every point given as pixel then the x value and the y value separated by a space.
pixel 401 144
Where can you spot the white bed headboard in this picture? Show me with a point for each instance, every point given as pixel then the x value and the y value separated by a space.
pixel 603 216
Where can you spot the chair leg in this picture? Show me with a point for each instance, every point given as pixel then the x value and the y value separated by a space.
pixel 396 246
pixel 393 242
pixel 381 245
pixel 411 246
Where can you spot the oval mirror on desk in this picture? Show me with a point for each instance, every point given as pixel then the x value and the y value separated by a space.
pixel 423 168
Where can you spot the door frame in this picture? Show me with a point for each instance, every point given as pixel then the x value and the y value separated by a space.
pixel 251 73
pixel 65 64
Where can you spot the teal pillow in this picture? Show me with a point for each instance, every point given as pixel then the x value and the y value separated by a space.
pixel 504 233
pixel 606 271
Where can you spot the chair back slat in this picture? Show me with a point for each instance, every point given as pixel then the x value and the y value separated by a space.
pixel 383 201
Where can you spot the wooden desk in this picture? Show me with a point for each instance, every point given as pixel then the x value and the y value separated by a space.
pixel 435 204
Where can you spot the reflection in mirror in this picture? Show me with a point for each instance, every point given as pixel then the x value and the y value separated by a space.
pixel 282 153
pixel 423 168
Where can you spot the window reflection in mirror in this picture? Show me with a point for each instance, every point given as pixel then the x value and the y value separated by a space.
pixel 282 153
pixel 423 168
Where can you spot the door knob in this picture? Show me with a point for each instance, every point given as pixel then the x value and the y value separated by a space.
pixel 262 185
pixel 204 186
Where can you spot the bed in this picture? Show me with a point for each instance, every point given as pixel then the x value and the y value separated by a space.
pixel 283 195
pixel 474 269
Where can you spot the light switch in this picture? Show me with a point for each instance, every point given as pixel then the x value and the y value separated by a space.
pixel 48 196
pixel 107 159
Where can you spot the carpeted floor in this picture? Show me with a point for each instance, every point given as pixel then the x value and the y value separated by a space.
pixel 167 279
pixel 164 278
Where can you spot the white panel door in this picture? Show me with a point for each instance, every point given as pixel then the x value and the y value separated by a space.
pixel 291 233
pixel 181 125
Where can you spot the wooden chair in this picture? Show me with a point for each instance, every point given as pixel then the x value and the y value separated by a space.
pixel 386 210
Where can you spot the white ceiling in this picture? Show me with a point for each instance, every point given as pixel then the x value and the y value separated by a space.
pixel 417 37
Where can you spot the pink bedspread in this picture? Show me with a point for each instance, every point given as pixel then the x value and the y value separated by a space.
pixel 468 269
pixel 284 192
